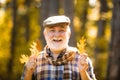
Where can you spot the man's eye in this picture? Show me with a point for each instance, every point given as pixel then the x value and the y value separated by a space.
pixel 52 30
pixel 62 30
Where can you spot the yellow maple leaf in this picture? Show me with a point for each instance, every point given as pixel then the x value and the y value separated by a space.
pixel 81 45
pixel 34 49
pixel 24 58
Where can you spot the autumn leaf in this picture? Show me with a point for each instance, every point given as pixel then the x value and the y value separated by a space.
pixel 34 49
pixel 24 58
pixel 81 45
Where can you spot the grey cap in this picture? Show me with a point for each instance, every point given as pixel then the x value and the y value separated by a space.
pixel 56 20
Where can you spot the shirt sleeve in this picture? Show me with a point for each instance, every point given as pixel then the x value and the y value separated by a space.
pixel 90 70
pixel 24 73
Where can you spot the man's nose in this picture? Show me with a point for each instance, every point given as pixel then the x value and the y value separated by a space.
pixel 57 33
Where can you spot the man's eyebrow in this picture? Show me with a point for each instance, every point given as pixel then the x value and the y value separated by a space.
pixel 62 26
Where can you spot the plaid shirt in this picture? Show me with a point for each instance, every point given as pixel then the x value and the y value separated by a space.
pixel 45 70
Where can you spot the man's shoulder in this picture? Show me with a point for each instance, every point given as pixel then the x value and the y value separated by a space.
pixel 73 49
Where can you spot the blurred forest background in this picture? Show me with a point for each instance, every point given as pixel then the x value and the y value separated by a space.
pixel 97 20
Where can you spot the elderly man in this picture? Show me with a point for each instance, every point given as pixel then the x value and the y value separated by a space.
pixel 58 61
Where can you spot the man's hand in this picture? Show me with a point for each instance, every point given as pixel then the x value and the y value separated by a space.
pixel 31 64
pixel 83 66
pixel 83 63
pixel 30 67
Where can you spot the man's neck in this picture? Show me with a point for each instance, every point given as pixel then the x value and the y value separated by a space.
pixel 56 53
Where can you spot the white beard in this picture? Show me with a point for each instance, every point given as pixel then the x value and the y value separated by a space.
pixel 57 46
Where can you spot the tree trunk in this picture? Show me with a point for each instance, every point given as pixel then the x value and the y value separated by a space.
pixel 101 25
pixel 69 11
pixel 54 7
pixel 99 40
pixel 83 17
pixel 27 21
pixel 113 69
pixel 44 10
pixel 13 35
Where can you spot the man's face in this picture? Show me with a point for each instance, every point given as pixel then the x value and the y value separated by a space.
pixel 57 37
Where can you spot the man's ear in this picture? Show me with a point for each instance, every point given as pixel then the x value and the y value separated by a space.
pixel 69 34
pixel 44 32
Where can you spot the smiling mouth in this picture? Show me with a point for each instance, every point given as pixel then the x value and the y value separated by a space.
pixel 55 40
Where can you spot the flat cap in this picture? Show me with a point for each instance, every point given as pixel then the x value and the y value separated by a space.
pixel 56 20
